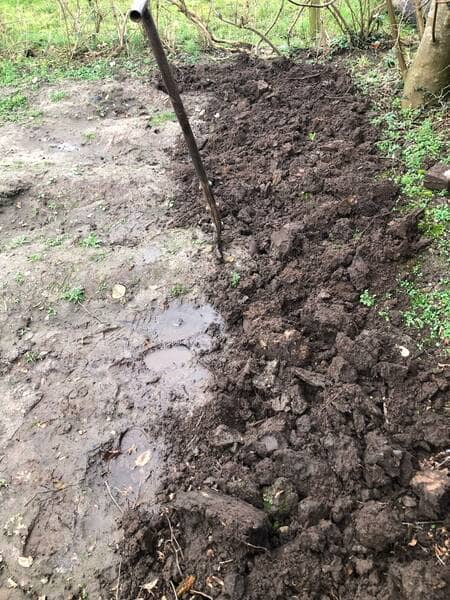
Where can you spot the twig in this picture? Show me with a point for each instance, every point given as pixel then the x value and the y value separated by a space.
pixel 197 593
pixel 255 547
pixel 92 315
pixel 274 22
pixel 174 591
pixel 305 77
pixel 330 3
pixel 112 497
pixel 252 29
pixel 118 581
pixel 176 547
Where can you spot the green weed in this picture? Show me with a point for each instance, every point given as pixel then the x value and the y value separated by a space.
pixel 32 357
pixel 235 279
pixel 99 256
pixel 312 135
pixel 54 242
pixel 409 139
pixel 35 257
pixel 58 95
pixel 179 290
pixel 367 299
pixel 18 242
pixel 89 136
pixel 436 226
pixel 13 107
pixel 91 241
pixel 76 295
pixel 384 314
pixel 19 278
pixel 161 117
pixel 428 310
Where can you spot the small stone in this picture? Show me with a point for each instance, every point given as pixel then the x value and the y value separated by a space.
pixel 224 436
pixel 438 177
pixel 363 566
pixel 266 380
pixel 25 561
pixel 118 291
pixel 404 352
pixel 377 526
pixel 433 489
pixel 281 498
pixel 409 501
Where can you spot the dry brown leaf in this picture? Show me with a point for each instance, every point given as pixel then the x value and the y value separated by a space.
pixel 148 587
pixel 413 542
pixel 143 459
pixel 25 561
pixel 186 585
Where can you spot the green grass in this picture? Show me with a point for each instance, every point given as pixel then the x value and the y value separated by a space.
pixel 56 47
pixel 410 138
pixel 58 95
pixel 19 278
pixel 429 310
pixel 91 241
pixel 13 108
pixel 77 295
pixel 89 136
pixel 54 242
pixel 162 117
pixel 179 290
pixel 18 242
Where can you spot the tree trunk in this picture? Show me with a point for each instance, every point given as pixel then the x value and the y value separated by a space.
pixel 314 21
pixel 429 73
pixel 396 38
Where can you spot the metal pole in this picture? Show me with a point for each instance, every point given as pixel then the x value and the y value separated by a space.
pixel 140 12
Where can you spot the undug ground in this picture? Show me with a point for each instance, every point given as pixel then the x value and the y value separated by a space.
pixel 314 467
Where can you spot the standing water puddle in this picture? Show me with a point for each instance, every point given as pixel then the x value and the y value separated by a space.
pixel 178 337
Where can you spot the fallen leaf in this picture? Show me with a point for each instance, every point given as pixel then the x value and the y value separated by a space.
pixel 58 485
pixel 186 585
pixel 148 587
pixel 118 291
pixel 143 458
pixel 25 561
pixel 109 454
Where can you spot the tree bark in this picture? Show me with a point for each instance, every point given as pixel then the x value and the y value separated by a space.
pixel 429 73
pixel 396 38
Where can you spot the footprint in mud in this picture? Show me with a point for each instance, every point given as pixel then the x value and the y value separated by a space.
pixel 178 335
pixel 133 473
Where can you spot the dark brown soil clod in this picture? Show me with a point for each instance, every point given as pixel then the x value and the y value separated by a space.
pixel 316 437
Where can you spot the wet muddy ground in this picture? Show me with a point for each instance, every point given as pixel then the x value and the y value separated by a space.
pixel 85 386
pixel 265 435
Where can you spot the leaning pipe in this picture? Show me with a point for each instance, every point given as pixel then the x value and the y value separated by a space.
pixel 140 12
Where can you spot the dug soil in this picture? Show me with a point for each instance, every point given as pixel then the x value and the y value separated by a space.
pixel 319 468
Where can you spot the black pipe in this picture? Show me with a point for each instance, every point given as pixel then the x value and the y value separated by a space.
pixel 140 13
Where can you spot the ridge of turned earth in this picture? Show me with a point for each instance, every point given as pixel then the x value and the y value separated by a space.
pixel 323 442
